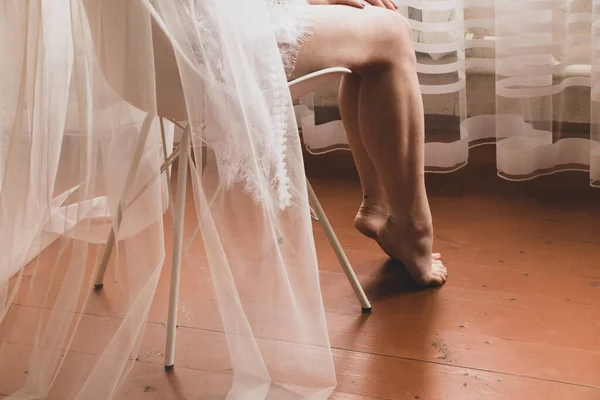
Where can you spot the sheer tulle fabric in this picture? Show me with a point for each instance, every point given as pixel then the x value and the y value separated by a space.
pixel 544 56
pixel 82 84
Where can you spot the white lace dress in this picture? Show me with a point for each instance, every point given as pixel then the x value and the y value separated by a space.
pixel 292 26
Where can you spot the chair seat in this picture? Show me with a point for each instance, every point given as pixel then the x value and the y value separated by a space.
pixel 309 83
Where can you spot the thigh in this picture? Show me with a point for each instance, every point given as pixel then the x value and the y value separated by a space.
pixel 349 37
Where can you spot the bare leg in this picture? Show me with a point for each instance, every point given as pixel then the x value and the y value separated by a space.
pixel 399 159
pixel 374 209
pixel 377 45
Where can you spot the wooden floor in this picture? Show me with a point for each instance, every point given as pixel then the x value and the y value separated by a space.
pixel 519 317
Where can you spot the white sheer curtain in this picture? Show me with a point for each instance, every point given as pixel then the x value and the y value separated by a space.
pixel 521 74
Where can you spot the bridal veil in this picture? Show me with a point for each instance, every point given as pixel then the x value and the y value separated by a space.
pixel 83 84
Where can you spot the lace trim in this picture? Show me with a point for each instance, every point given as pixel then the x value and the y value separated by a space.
pixel 256 160
pixel 281 117
pixel 292 26
pixel 263 171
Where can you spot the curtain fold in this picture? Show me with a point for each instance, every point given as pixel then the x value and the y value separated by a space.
pixel 520 74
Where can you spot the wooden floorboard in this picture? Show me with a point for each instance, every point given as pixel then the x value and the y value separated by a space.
pixel 522 299
pixel 519 317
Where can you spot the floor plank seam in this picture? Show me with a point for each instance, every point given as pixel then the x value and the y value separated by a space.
pixel 358 394
pixel 469 368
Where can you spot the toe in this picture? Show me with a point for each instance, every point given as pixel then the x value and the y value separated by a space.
pixel 440 275
pixel 440 268
pixel 436 256
pixel 438 279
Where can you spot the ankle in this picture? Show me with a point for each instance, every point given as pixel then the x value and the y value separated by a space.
pixel 408 238
pixel 416 227
pixel 375 200
pixel 375 208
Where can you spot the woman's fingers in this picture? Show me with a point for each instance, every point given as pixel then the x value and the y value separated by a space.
pixel 391 4
pixel 351 3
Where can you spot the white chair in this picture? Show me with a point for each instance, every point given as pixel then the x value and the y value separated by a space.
pixel 301 87
pixel 171 106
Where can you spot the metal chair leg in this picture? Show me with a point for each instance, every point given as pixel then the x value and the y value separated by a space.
pixel 177 248
pixel 339 252
pixel 110 244
pixel 135 164
pixel 313 214
pixel 163 138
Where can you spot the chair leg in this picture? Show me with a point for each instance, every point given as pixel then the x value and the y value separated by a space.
pixel 313 214
pixel 197 229
pixel 135 164
pixel 337 248
pixel 177 248
pixel 163 138
pixel 110 244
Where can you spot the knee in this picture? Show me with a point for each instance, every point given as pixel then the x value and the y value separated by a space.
pixel 395 45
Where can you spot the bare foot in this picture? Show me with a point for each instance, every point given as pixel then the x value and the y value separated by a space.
pixel 370 218
pixel 411 244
